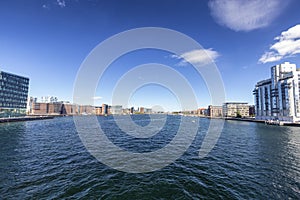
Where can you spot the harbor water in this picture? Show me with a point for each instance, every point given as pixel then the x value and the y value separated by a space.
pixel 46 159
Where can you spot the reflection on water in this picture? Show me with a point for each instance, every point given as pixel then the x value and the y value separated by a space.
pixel 46 159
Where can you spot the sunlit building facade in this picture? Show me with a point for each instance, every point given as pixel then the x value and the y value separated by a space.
pixel 214 111
pixel 235 109
pixel 277 98
pixel 116 110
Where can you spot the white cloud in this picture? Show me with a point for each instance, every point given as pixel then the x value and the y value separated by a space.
pixel 286 45
pixel 61 3
pixel 45 6
pixel 197 57
pixel 245 15
pixel 97 98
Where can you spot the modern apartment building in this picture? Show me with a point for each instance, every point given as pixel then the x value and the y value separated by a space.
pixel 215 111
pixel 277 98
pixel 235 109
pixel 105 109
pixel 116 110
pixel 13 94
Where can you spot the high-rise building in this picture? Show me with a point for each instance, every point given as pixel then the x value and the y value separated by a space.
pixel 13 94
pixel 277 98
pixel 131 110
pixel 105 109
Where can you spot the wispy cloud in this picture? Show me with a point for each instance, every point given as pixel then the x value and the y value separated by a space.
pixel 198 57
pixel 54 3
pixel 245 15
pixel 45 6
pixel 97 98
pixel 286 45
pixel 61 3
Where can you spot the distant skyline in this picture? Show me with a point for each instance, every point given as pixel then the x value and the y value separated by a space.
pixel 48 40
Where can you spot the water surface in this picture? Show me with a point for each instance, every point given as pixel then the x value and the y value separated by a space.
pixel 47 160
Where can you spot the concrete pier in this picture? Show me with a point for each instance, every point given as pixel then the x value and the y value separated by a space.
pixel 25 118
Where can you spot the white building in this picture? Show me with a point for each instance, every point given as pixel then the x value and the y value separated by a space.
pixel 277 98
pixel 116 110
pixel 235 109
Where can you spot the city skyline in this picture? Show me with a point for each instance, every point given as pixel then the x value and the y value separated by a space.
pixel 48 41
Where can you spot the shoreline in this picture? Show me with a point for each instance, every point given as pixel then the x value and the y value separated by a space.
pixel 267 122
pixel 24 118
pixel 275 123
pixel 43 117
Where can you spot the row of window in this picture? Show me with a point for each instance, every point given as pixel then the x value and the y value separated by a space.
pixel 6 76
pixel 13 95
pixel 12 91
pixel 4 85
pixel 15 82
pixel 12 105
pixel 12 100
pixel 13 87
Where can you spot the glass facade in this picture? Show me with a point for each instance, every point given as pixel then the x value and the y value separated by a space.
pixel 13 94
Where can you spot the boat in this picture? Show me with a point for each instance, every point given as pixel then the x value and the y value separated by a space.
pixel 274 122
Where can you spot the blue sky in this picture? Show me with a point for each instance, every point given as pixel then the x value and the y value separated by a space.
pixel 48 40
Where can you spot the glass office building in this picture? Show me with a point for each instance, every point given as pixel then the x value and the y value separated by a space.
pixel 13 94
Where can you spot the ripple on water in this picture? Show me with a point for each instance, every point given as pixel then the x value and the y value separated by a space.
pixel 46 159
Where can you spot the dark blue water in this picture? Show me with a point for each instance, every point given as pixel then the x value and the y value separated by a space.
pixel 47 160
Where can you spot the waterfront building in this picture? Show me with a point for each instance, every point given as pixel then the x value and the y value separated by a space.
pixel 13 94
pixel 57 108
pixel 69 109
pixel 202 111
pixel 277 98
pixel 40 108
pixel 30 103
pixel 190 112
pixel 104 109
pixel 252 111
pixel 98 110
pixel 235 109
pixel 214 111
pixel 85 109
pixel 141 110
pixel 126 111
pixel 148 110
pixel 131 110
pixel 116 110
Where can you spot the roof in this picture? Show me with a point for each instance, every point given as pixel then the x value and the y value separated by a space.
pixel 13 74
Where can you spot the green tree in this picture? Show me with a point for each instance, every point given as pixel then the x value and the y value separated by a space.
pixel 238 114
